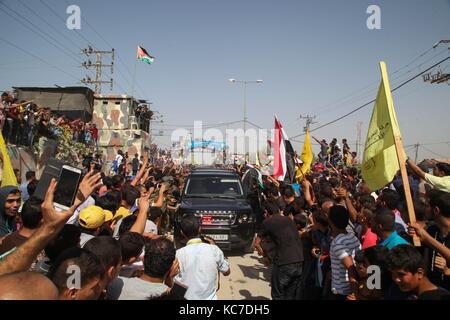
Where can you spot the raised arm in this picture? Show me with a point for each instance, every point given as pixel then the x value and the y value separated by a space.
pixel 342 192
pixel 319 142
pixel 53 222
pixel 416 229
pixel 307 191
pixel 274 181
pixel 141 171
pixel 160 200
pixel 415 169
pixel 139 225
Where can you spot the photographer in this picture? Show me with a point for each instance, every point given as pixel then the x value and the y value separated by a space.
pixel 199 262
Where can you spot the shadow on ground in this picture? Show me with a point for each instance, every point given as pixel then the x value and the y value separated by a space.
pixel 256 272
pixel 248 295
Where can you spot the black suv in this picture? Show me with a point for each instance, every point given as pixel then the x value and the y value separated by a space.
pixel 216 197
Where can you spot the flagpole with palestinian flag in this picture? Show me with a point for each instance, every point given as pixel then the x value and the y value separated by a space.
pixel 384 154
pixel 141 55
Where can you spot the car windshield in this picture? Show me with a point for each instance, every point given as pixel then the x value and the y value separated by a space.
pixel 213 186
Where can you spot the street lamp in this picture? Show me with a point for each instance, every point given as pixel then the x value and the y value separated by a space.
pixel 244 86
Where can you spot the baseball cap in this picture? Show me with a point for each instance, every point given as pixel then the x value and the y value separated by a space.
pixel 121 213
pixel 92 217
pixel 108 215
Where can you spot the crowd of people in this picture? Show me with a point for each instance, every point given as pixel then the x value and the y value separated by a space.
pixel 333 154
pixel 118 233
pixel 23 123
pixel 321 240
pixel 324 239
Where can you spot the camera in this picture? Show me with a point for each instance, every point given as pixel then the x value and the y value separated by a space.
pixel 207 240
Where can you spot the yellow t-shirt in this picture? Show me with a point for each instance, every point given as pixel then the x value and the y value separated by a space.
pixel 439 183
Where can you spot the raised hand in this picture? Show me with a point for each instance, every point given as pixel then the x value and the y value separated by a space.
pixel 52 219
pixel 90 182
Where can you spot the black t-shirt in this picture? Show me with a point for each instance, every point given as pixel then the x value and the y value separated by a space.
pixel 135 164
pixel 436 276
pixel 437 294
pixel 43 130
pixel 290 209
pixel 283 232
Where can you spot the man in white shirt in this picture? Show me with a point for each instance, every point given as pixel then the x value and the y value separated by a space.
pixel 118 160
pixel 199 263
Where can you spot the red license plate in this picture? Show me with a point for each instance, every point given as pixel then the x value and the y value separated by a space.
pixel 206 220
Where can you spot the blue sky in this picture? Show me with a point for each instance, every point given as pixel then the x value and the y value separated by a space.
pixel 310 54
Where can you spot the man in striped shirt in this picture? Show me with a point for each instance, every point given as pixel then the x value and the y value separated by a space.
pixel 342 251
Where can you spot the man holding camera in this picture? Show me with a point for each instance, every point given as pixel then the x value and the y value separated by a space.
pixel 200 261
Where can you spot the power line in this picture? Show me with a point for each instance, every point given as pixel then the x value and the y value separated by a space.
pixel 431 151
pixel 364 89
pixel 118 57
pixel 204 125
pixel 82 37
pixel 428 144
pixel 60 46
pixel 44 20
pixel 63 21
pixel 372 101
pixel 78 61
pixel 38 58
pixel 366 93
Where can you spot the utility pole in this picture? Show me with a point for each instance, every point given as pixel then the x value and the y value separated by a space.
pixel 358 138
pixel 98 65
pixel 417 145
pixel 438 77
pixel 309 121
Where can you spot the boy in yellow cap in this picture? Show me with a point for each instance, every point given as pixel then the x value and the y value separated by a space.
pixel 91 220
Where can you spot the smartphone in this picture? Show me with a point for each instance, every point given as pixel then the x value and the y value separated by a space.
pixel 67 187
pixel 178 290
pixel 52 170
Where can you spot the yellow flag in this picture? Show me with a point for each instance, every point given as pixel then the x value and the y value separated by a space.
pixel 8 178
pixel 257 162
pixel 306 157
pixel 380 162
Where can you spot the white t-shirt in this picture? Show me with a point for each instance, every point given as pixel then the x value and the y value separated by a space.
pixel 134 289
pixel 84 237
pixel 119 159
pixel 150 227
pixel 74 218
pixel 199 264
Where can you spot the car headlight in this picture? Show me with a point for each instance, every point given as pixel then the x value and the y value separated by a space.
pixel 244 218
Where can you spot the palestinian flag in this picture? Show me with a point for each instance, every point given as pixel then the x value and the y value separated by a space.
pixel 143 55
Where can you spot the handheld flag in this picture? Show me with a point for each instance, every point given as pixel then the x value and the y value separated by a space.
pixel 257 162
pixel 143 55
pixel 9 178
pixel 284 166
pixel 380 163
pixel 279 150
pixel 306 158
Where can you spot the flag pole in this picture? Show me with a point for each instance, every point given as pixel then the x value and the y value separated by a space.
pixel 134 77
pixel 401 162
pixel 409 201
